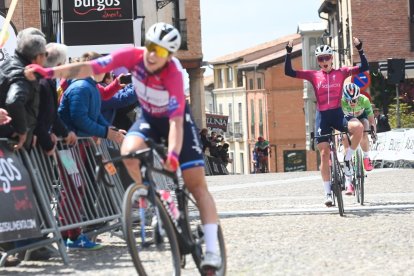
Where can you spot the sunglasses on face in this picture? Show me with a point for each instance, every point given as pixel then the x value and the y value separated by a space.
pixel 352 101
pixel 158 50
pixel 324 58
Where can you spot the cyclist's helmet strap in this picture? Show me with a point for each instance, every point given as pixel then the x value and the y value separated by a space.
pixel 164 35
pixel 323 50
pixel 351 91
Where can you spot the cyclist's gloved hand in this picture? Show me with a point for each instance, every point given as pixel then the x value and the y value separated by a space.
pixel 358 44
pixel 31 70
pixel 289 47
pixel 172 163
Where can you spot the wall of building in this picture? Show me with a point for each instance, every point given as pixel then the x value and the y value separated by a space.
pixel 384 27
pixel 26 14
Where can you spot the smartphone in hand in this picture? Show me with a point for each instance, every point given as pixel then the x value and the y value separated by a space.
pixel 125 79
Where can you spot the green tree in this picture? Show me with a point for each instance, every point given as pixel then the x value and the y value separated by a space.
pixel 406 115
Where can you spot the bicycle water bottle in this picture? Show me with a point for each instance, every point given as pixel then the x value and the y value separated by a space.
pixel 172 208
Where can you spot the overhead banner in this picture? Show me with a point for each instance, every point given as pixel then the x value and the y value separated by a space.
pixel 18 217
pixel 10 39
pixel 98 22
pixel 215 121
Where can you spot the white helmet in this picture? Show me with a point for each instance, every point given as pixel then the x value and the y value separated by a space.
pixel 323 50
pixel 351 91
pixel 164 35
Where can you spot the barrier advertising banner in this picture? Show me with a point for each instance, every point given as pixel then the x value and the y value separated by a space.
pixel 10 39
pixel 215 121
pixel 98 22
pixel 18 219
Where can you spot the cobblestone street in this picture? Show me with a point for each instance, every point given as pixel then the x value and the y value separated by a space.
pixel 276 224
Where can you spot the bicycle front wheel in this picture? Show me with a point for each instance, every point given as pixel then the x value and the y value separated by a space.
pixel 150 235
pixel 359 176
pixel 193 231
pixel 337 179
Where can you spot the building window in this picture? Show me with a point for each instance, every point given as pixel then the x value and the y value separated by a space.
pixel 240 113
pixel 210 107
pixel 241 163
pixel 230 77
pixel 221 109
pixel 312 60
pixel 260 117
pixel 220 78
pixel 252 128
pixel 239 78
pixel 259 83
pixel 251 84
pixel 230 120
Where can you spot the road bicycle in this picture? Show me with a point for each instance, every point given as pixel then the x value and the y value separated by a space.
pixel 161 220
pixel 336 172
pixel 359 171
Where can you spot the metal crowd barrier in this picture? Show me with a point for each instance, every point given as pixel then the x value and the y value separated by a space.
pixel 67 195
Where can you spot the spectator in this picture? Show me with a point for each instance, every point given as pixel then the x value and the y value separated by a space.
pixel 4 117
pixel 18 96
pixel 213 144
pixel 49 124
pixel 381 121
pixel 204 139
pixel 224 154
pixel 80 108
pixel 19 99
pixel 123 98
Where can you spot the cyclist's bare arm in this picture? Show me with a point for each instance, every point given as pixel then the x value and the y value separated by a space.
pixel 371 120
pixel 66 71
pixel 176 134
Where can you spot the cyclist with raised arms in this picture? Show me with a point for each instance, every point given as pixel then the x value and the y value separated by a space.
pixel 158 80
pixel 356 105
pixel 327 84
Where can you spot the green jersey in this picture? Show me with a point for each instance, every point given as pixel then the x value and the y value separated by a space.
pixel 362 104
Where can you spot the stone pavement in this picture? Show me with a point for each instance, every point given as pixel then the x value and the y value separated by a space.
pixel 276 224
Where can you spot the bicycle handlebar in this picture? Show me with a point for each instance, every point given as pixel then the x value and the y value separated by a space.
pixel 143 155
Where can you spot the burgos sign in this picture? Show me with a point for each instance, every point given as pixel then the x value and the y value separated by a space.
pixel 97 22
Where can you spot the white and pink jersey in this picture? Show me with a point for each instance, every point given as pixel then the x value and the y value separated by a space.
pixel 327 86
pixel 161 95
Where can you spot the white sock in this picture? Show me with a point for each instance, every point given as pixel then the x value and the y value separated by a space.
pixel 327 187
pixel 366 154
pixel 349 154
pixel 210 234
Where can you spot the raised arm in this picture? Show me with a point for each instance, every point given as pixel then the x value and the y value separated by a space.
pixel 364 62
pixel 288 62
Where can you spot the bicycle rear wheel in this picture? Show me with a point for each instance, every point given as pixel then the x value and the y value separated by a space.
pixel 150 235
pixel 337 179
pixel 359 176
pixel 193 232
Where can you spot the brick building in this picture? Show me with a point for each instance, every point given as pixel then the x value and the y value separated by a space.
pixel 184 14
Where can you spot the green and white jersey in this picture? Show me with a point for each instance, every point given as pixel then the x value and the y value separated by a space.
pixel 362 104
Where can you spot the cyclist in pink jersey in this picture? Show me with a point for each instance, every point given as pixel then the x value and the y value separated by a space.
pixel 327 84
pixel 158 81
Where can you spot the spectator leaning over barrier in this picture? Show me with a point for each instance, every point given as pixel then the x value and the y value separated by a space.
pixel 19 99
pixel 49 124
pixel 19 96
